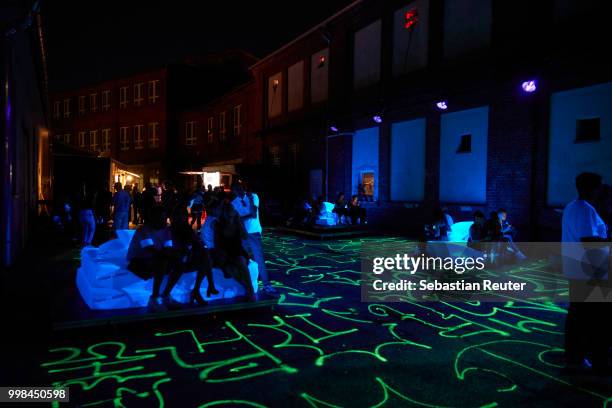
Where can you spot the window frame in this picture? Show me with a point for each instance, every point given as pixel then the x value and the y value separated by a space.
pixel 124 138
pixel 190 130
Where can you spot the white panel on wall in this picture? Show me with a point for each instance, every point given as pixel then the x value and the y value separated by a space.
pixel 467 26
pixel 365 157
pixel 568 158
pixel 366 55
pixel 295 86
pixel 408 160
pixel 410 46
pixel 319 71
pixel 463 175
pixel 275 95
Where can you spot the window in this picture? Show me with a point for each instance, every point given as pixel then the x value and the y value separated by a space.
pixel 295 86
pixel 587 130
pixel 93 102
pixel 67 137
pixel 275 158
pixel 153 91
pixel 367 182
pixel 124 143
pixel 222 130
pixel 82 139
pixel 56 109
pixel 237 119
pixel 105 100
pixel 465 144
pixel 66 108
pixel 275 95
pixel 367 55
pixel 106 142
pixel 123 97
pixel 190 137
pixel 82 108
pixel 138 137
pixel 211 132
pixel 138 94
pixel 319 70
pixel 93 140
pixel 154 134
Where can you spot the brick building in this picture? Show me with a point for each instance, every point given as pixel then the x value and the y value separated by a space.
pixel 426 103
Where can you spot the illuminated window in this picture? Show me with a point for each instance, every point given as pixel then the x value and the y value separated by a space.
pixel 153 91
pixel 465 144
pixel 56 109
pixel 138 137
pixel 124 142
pixel 66 108
pixel 105 100
pixel 82 142
pixel 123 97
pixel 222 129
pixel 82 108
pixel 367 182
pixel 154 134
pixel 138 98
pixel 93 102
pixel 106 142
pixel 93 140
pixel 237 118
pixel 211 131
pixel 588 130
pixel 190 136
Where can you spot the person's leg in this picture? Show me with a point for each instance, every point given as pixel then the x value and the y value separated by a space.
pixel 256 247
pixel 174 270
pixel 199 220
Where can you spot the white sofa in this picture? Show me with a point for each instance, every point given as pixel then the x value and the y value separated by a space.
pixel 105 283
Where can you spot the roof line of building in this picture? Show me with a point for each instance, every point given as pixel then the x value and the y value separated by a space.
pixel 305 34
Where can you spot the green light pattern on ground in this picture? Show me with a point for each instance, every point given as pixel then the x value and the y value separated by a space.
pixel 321 347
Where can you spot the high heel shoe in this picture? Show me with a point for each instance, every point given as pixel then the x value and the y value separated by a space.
pixel 211 291
pixel 197 299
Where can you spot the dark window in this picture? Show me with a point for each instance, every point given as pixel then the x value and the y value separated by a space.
pixel 465 145
pixel 587 130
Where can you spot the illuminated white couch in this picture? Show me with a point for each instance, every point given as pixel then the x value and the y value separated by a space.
pixel 456 246
pixel 105 282
pixel 327 216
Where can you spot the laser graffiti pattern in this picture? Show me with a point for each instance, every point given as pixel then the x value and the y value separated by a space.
pixel 321 347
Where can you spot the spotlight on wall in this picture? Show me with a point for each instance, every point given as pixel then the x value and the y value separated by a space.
pixel 442 105
pixel 377 118
pixel 333 128
pixel 529 86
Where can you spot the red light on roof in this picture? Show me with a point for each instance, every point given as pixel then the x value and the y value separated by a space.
pixel 412 18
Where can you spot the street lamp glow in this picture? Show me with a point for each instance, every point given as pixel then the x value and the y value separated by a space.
pixel 529 86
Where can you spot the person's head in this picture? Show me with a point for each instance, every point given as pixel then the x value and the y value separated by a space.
pixel 588 185
pixel 156 218
pixel 479 217
pixel 135 187
pixel 127 188
pixel 503 214
pixel 118 186
pixel 355 200
pixel 237 189
pixel 148 186
pixel 340 196
pixel 210 188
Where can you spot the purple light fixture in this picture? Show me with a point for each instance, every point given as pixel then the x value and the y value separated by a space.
pixel 333 128
pixel 377 118
pixel 529 86
pixel 442 105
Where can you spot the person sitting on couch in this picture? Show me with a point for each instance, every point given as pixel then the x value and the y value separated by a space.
pixel 151 254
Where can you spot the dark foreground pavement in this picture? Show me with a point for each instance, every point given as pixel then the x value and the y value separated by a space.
pixel 320 346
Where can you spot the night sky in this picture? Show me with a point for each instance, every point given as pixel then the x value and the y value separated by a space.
pixel 94 40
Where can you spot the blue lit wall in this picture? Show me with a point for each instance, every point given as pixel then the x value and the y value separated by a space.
pixel 365 157
pixel 408 160
pixel 566 158
pixel 463 176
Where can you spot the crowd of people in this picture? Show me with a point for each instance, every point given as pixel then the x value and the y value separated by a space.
pixel 310 210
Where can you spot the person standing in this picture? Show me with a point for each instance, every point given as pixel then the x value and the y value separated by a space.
pixel 584 333
pixel 87 219
pixel 121 207
pixel 247 206
pixel 136 205
pixel 197 207
pixel 104 200
pixel 147 201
